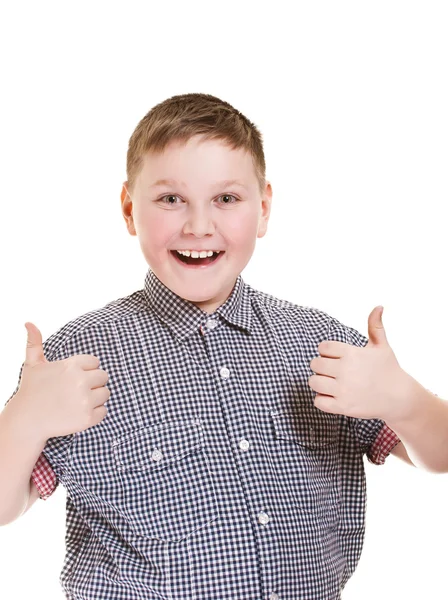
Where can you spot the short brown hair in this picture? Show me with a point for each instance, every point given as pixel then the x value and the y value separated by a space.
pixel 181 117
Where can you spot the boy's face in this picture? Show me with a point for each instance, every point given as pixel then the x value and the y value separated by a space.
pixel 197 196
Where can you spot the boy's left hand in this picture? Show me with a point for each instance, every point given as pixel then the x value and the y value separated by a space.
pixel 365 383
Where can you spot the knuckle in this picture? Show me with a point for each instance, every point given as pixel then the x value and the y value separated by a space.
pixel 72 371
pixel 87 422
pixel 66 364
pixel 79 384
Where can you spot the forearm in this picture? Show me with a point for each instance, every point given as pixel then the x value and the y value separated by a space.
pixel 424 429
pixel 20 448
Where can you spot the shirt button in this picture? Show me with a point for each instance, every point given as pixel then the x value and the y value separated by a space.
pixel 263 518
pixel 274 596
pixel 156 455
pixel 244 445
pixel 211 324
pixel 224 372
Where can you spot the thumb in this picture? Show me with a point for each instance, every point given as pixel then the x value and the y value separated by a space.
pixel 34 349
pixel 377 334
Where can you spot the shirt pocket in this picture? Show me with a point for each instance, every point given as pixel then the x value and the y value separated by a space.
pixel 166 482
pixel 308 458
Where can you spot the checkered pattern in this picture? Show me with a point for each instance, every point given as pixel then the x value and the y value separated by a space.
pixel 44 477
pixel 384 443
pixel 213 475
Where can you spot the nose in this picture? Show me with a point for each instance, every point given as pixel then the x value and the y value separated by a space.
pixel 199 222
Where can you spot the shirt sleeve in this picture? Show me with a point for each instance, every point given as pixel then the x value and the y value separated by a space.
pixel 375 438
pixel 44 477
pixel 384 443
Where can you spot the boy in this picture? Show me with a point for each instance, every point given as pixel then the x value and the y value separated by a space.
pixel 211 474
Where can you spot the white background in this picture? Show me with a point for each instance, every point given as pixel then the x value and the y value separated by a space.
pixel 352 100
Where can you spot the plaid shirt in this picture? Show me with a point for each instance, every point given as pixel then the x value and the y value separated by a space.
pixel 213 475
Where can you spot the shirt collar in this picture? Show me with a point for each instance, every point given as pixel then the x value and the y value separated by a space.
pixel 184 318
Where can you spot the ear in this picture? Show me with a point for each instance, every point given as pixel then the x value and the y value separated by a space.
pixel 126 208
pixel 266 201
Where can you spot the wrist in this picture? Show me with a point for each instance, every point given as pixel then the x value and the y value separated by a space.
pixel 22 420
pixel 411 405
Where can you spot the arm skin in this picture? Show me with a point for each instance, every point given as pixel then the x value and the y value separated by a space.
pixel 400 452
pixel 19 450
pixel 423 431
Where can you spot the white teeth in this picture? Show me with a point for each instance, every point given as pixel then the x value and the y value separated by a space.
pixel 197 254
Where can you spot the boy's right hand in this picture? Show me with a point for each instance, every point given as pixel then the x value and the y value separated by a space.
pixel 60 397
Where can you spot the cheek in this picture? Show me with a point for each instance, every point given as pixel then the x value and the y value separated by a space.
pixel 155 228
pixel 242 232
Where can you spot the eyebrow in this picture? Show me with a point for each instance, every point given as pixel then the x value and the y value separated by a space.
pixel 218 184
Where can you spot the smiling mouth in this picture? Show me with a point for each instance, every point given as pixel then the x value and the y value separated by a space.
pixel 198 262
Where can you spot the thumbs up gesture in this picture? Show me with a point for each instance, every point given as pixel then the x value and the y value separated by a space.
pixel 365 383
pixel 60 397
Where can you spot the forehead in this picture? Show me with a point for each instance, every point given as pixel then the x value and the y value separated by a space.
pixel 209 160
